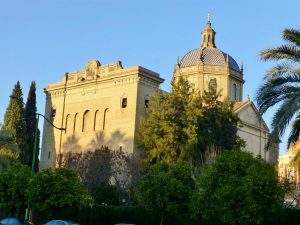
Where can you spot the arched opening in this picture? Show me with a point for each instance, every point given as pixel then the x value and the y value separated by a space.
pixel 235 92
pixel 106 118
pixel 68 124
pixel 86 121
pixel 212 85
pixel 147 101
pixel 75 123
pixel 97 120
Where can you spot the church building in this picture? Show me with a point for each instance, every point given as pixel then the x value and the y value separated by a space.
pixel 103 104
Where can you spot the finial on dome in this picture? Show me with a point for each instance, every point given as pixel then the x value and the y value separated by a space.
pixel 178 62
pixel 242 67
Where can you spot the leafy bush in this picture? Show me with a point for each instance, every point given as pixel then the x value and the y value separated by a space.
pixel 165 190
pixel 289 216
pixel 52 190
pixel 237 189
pixel 13 190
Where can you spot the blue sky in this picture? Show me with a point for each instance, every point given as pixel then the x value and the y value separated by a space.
pixel 40 40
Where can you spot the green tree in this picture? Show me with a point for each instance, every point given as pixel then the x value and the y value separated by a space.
pixel 13 190
pixel 14 121
pixel 31 123
pixel 184 125
pixel 237 189
pixel 281 86
pixel 8 149
pixel 53 189
pixel 165 190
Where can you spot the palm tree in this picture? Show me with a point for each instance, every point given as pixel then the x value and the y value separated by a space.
pixel 282 86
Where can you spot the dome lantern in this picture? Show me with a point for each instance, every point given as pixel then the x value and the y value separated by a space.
pixel 208 35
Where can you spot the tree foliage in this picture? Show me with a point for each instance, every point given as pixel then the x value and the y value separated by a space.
pixel 31 124
pixel 281 86
pixel 53 189
pixel 13 190
pixel 93 167
pixel 105 170
pixel 237 189
pixel 8 149
pixel 165 190
pixel 14 121
pixel 184 125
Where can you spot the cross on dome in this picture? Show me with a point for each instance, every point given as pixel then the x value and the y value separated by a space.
pixel 208 18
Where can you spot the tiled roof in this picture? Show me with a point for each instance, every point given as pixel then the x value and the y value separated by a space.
pixel 211 56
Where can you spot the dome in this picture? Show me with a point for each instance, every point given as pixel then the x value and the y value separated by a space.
pixel 208 55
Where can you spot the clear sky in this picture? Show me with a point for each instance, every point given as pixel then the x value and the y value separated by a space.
pixel 40 40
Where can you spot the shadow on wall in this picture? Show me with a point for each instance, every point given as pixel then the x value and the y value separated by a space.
pixel 71 144
pixel 117 141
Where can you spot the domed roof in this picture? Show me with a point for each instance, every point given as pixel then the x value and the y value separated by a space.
pixel 208 55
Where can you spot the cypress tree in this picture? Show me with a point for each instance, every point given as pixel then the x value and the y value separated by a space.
pixel 31 123
pixel 14 121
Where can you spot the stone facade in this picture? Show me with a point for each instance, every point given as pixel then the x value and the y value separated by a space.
pixel 99 105
pixel 103 104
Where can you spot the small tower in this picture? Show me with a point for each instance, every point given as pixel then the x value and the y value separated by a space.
pixel 208 35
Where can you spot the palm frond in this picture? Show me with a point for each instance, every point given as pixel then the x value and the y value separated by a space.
pixel 286 52
pixel 292 35
pixel 282 70
pixel 294 134
pixel 275 91
pixel 284 114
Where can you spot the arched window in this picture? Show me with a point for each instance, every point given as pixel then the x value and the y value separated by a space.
pixel 212 85
pixel 68 123
pixel 97 120
pixel 86 121
pixel 147 101
pixel 75 123
pixel 106 118
pixel 235 92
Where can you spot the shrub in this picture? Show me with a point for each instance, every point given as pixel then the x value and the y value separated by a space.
pixel 13 190
pixel 165 190
pixel 237 189
pixel 53 190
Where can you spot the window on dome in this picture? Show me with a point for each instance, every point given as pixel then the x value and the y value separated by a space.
pixel 212 85
pixel 235 92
